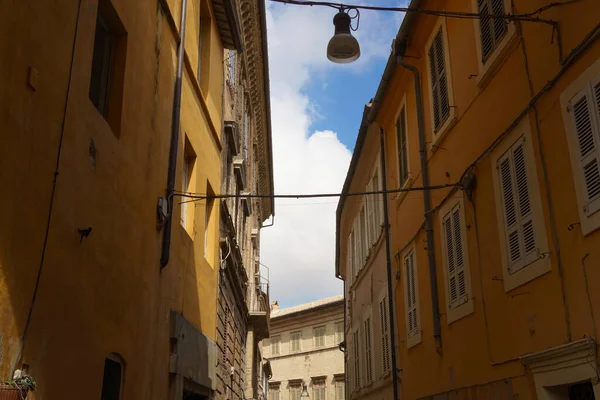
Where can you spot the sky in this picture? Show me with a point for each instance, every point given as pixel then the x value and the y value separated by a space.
pixel 316 109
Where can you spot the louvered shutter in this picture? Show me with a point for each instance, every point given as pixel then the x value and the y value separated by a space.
pixel 371 205
pixel 385 335
pixel 439 83
pixel 457 285
pixel 349 261
pixel 402 147
pixel 357 248
pixel 357 380
pixel 368 351
pixel 364 235
pixel 376 203
pixel 411 296
pixel 585 112
pixel 492 30
pixel 518 214
pixel 339 391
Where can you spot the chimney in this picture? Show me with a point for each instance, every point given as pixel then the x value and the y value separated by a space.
pixel 275 305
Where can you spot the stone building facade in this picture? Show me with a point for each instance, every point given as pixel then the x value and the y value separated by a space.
pixel 246 168
pixel 304 350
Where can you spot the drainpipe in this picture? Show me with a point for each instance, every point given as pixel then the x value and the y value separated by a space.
pixel 400 48
pixel 176 119
pixel 386 228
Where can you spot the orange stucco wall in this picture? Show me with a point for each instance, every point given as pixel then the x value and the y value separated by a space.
pixel 550 310
pixel 106 294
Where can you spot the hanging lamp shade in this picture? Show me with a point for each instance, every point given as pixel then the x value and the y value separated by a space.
pixel 304 391
pixel 343 48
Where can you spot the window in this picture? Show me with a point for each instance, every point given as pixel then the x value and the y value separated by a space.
pixel 319 390
pixel 108 64
pixel 439 83
pixel 208 222
pixel 295 391
pixel 350 258
pixel 246 131
pixel 356 350
pixel 112 380
pixel 374 213
pixel 492 30
pixel 319 334
pixel 339 390
pixel 187 186
pixel 204 38
pixel 339 332
pixel 275 346
pixel 385 335
pixel 456 261
pixel 363 236
pixel 231 65
pixel 581 114
pixel 522 233
pixel 357 247
pixel 368 351
pixel 295 342
pixel 401 139
pixel 411 298
pixel 516 205
pixel 274 388
pixel 102 64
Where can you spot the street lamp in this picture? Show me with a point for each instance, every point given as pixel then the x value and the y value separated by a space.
pixel 304 391
pixel 343 48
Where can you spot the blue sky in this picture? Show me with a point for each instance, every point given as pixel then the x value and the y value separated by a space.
pixel 316 109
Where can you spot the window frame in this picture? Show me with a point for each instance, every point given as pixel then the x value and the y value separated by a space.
pixel 275 340
pixel 336 332
pixel 402 184
pixel 588 222
pixel 321 385
pixel 467 307
pixel 412 337
pixel 188 184
pixel 299 349
pixel 356 350
pixel 541 265
pixel 487 69
pixel 437 136
pixel 385 336
pixel 316 338
pixel 368 351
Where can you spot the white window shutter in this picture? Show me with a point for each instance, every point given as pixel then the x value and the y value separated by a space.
pixel 585 112
pixel 411 296
pixel 349 266
pixel 368 351
pixel 518 214
pixel 356 250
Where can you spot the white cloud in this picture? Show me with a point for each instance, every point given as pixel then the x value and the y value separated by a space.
pixel 299 248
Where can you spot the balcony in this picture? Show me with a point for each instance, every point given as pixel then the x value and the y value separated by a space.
pixel 260 312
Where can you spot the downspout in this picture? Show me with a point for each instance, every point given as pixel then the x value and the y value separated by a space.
pixel 176 120
pixel 400 48
pixel 386 229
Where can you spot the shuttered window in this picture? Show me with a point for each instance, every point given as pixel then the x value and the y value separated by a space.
pixel 492 30
pixel 517 211
pixel 377 205
pixel 584 109
pixel 356 341
pixel 319 334
pixel 357 247
pixel 371 199
pixel 385 335
pixel 319 391
pixel 295 341
pixel 339 391
pixel 401 139
pixel 363 236
pixel 411 293
pixel 339 332
pixel 368 351
pixel 275 346
pixel 295 392
pixel 439 83
pixel 350 258
pixel 454 256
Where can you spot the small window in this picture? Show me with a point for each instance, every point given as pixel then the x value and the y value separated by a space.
pixel 411 298
pixel 373 209
pixel 108 64
pixel 340 390
pixel 492 30
pixel 356 351
pixel 112 380
pixel 339 332
pixel 274 391
pixel 368 350
pixel 363 236
pixel 231 67
pixel 275 346
pixel 187 186
pixel 439 82
pixel 295 342
pixel 401 140
pixel 208 225
pixel 295 391
pixel 456 261
pixel 350 258
pixel 385 335
pixel 319 334
pixel 319 390
pixel 519 225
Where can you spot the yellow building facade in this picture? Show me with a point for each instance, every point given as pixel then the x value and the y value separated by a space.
pixel 87 111
pixel 494 284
